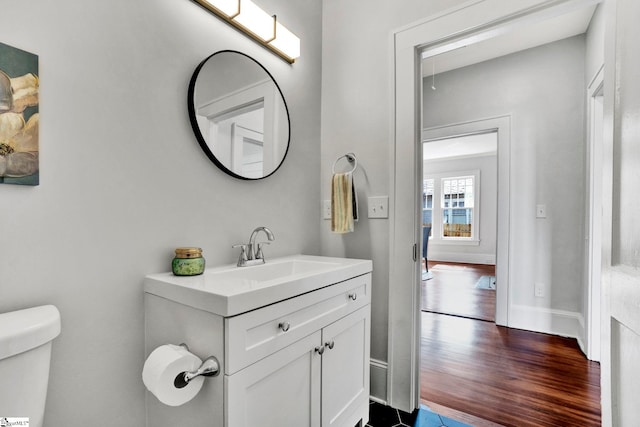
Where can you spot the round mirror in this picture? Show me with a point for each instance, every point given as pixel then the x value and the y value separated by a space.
pixel 239 115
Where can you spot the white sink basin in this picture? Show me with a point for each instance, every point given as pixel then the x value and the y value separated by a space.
pixel 280 269
pixel 232 290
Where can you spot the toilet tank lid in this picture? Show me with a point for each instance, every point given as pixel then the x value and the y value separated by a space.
pixel 23 330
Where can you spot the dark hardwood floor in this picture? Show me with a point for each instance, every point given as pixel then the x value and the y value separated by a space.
pixel 478 372
pixel 452 290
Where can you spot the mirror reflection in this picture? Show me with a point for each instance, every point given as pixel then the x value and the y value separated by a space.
pixel 239 115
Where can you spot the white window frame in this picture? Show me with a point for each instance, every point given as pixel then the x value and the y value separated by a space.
pixel 437 228
pixel 433 202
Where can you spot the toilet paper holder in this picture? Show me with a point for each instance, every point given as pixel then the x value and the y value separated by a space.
pixel 210 367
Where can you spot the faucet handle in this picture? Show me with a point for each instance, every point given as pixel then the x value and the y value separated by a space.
pixel 259 254
pixel 242 259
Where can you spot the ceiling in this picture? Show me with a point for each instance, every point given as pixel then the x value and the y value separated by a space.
pixel 482 144
pixel 489 45
pixel 525 34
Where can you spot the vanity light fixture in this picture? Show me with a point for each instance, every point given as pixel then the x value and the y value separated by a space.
pixel 247 17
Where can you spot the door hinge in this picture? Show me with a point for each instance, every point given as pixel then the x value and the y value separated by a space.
pixel 415 252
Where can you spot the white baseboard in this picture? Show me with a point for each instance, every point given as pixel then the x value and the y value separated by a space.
pixel 378 381
pixel 582 338
pixel 549 321
pixel 464 258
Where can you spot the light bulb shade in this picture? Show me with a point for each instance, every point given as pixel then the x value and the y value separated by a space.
pixel 246 16
pixel 255 20
pixel 227 7
pixel 286 42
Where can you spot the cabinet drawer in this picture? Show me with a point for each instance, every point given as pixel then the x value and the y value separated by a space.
pixel 252 336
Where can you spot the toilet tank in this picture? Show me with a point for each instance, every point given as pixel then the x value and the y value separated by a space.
pixel 25 353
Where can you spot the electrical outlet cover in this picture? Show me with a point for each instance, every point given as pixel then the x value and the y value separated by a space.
pixel 326 209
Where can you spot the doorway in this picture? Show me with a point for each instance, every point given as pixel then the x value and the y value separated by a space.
pixel 459 219
pixel 467 24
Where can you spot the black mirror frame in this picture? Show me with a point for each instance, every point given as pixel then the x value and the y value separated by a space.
pixel 196 127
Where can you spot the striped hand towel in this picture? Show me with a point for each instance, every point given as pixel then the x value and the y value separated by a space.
pixel 344 203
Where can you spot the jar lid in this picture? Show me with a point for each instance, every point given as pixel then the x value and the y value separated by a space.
pixel 188 252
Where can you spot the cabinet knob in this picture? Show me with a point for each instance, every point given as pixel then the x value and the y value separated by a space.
pixel 284 326
pixel 330 344
pixel 320 349
pixel 353 296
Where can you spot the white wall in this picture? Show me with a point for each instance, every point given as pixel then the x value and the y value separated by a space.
pixel 484 252
pixel 621 234
pixel 123 181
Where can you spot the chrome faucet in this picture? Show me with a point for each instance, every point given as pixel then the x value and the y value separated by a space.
pixel 255 252
pixel 251 253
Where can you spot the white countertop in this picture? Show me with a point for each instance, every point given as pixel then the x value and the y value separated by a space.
pixel 230 290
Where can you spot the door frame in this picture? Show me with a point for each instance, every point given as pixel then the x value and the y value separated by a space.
pixel 466 21
pixel 595 118
pixel 502 126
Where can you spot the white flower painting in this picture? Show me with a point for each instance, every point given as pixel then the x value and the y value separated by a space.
pixel 19 117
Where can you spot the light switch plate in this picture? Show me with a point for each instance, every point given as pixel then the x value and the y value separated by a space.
pixel 378 207
pixel 541 211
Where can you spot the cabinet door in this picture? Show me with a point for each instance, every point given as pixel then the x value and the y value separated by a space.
pixel 280 390
pixel 345 370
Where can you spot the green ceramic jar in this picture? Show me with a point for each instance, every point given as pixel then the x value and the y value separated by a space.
pixel 188 262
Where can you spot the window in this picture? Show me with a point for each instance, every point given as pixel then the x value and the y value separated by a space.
pixel 457 205
pixel 450 206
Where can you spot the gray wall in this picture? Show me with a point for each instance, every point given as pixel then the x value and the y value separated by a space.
pixel 542 89
pixel 124 182
pixel 595 40
pixel 355 117
pixel 356 99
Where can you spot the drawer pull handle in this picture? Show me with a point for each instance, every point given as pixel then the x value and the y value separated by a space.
pixel 284 326
pixel 353 296
pixel 320 349
pixel 330 344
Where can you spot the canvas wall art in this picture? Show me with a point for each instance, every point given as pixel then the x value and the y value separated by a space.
pixel 19 117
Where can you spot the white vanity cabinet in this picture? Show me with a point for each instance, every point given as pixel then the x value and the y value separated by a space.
pixel 345 370
pixel 280 390
pixel 311 360
pixel 296 361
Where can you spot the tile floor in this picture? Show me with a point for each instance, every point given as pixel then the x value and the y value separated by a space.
pixel 386 416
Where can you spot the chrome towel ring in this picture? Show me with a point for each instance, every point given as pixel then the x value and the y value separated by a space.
pixel 351 158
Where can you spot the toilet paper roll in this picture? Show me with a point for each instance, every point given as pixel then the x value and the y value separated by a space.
pixel 162 367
